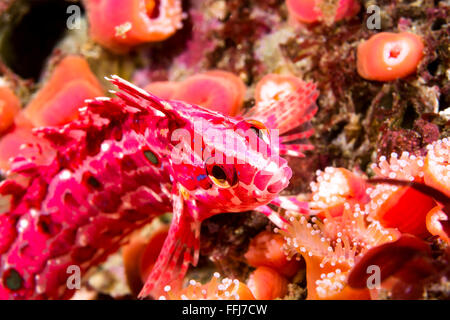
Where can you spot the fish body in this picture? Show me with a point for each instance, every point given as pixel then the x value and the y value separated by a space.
pixel 123 162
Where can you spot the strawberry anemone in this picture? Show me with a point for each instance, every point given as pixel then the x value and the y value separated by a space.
pixel 388 56
pixel 312 11
pixel 215 289
pixel 9 107
pixel 266 250
pixel 405 267
pixel 334 187
pixel 139 257
pixel 438 224
pixel 216 90
pixel 356 225
pixel 331 246
pixel 22 144
pixel 56 103
pixel 275 87
pixel 268 281
pixel 400 207
pixel 136 22
pixel 267 284
pixel 163 89
pixel 437 165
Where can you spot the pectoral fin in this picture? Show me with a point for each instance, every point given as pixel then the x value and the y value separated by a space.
pixel 180 249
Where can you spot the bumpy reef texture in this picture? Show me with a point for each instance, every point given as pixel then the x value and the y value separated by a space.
pixel 357 122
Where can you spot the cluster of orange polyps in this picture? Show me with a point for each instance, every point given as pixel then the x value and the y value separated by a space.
pixel 9 107
pixel 405 208
pixel 355 226
pixel 215 289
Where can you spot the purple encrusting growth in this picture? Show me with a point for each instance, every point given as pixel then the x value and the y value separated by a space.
pixel 114 170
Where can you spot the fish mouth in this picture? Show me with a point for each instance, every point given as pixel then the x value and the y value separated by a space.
pixel 276 187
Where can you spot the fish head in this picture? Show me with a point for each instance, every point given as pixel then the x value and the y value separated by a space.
pixel 231 164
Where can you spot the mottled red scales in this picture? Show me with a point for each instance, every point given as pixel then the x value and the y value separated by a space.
pixel 79 208
pixel 123 162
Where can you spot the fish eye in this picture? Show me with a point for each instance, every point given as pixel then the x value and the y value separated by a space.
pixel 221 176
pixel 256 131
pixel 218 176
pixel 260 130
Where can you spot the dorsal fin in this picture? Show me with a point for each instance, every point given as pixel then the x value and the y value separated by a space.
pixel 291 117
pixel 289 113
pixel 139 98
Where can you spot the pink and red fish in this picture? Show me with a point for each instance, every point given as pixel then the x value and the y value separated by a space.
pixel 127 160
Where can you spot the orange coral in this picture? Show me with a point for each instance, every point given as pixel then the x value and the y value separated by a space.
pixel 266 249
pixel 275 87
pixel 140 255
pixel 310 11
pixel 434 223
pixel 216 90
pixel 9 107
pixel 401 207
pixel 437 166
pixel 22 142
pixel 336 186
pixel 134 23
pixel 330 248
pixel 388 56
pixel 226 289
pixel 58 101
pixel 267 284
